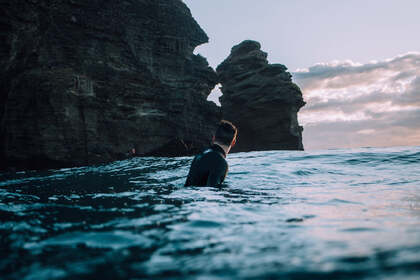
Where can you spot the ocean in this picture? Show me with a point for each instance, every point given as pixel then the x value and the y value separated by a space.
pixel 327 214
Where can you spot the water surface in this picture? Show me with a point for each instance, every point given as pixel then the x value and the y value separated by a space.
pixel 335 214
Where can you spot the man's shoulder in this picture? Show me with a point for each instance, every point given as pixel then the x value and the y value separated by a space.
pixel 214 154
pixel 210 157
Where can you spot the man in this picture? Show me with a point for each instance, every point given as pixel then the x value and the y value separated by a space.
pixel 210 167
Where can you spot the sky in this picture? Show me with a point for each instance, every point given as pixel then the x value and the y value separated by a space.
pixel 357 62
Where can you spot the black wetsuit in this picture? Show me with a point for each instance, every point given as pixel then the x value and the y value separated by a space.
pixel 208 168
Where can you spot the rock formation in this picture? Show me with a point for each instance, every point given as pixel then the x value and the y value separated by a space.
pixel 84 82
pixel 260 99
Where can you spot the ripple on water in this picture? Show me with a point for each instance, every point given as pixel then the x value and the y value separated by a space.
pixel 112 240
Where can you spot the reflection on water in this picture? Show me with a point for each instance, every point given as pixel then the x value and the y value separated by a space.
pixel 338 214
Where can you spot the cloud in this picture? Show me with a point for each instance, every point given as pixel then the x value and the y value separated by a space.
pixel 338 74
pixel 354 104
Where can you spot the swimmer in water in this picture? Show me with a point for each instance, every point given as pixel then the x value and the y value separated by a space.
pixel 209 168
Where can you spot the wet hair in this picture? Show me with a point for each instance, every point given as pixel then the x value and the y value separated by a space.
pixel 225 133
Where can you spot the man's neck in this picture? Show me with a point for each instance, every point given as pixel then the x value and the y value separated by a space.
pixel 224 147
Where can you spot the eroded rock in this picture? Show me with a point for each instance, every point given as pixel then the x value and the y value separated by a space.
pixel 260 99
pixel 84 82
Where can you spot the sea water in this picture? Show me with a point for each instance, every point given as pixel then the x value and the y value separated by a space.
pixel 332 214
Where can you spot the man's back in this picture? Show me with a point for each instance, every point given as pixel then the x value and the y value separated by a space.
pixel 208 168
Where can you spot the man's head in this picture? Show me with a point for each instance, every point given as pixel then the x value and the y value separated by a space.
pixel 226 133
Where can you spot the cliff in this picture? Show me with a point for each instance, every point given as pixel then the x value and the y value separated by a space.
pixel 260 99
pixel 84 82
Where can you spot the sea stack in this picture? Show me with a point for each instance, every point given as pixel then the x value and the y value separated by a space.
pixel 86 82
pixel 260 99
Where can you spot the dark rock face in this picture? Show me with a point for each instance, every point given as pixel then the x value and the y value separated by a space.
pixel 84 82
pixel 261 100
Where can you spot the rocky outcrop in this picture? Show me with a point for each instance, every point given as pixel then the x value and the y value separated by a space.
pixel 84 82
pixel 260 99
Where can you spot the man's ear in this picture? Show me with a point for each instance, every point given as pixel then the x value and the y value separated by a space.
pixel 212 139
pixel 233 142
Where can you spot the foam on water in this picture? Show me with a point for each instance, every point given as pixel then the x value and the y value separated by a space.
pixel 338 214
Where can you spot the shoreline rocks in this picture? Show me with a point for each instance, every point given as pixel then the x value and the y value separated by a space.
pixel 89 82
